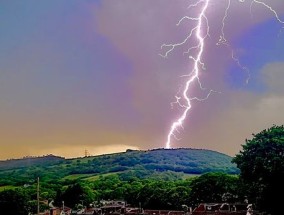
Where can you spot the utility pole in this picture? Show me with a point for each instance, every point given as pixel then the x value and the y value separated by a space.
pixel 63 207
pixel 87 154
pixel 37 195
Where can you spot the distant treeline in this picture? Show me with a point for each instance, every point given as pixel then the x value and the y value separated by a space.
pixel 29 161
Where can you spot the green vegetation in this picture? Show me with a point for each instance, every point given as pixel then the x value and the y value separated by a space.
pixel 262 169
pixel 160 163
pixel 29 161
pixel 96 177
pixel 78 176
pixel 7 187
pixel 156 179
pixel 14 202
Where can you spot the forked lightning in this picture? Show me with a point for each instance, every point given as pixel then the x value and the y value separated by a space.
pixel 199 32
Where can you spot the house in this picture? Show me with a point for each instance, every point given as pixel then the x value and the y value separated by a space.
pixel 163 212
pixel 220 209
pixel 60 211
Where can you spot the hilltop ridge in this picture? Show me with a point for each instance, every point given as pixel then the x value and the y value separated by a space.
pixel 164 163
pixel 29 161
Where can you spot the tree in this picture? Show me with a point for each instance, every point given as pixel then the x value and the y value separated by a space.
pixel 262 168
pixel 214 187
pixel 178 196
pixel 76 194
pixel 14 202
pixel 132 192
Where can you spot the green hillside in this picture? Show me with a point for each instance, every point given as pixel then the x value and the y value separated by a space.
pixel 158 163
pixel 29 161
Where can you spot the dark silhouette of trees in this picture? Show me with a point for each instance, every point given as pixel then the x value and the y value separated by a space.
pixel 214 187
pixel 14 202
pixel 262 169
pixel 76 194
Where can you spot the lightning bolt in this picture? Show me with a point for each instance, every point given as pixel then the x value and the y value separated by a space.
pixel 196 32
pixel 194 75
pixel 269 8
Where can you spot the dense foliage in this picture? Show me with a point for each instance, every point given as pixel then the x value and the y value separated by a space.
pixel 148 193
pixel 216 187
pixel 14 202
pixel 161 163
pixel 152 179
pixel 262 168
pixel 75 194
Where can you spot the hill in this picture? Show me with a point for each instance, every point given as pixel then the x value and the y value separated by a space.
pixel 29 161
pixel 164 163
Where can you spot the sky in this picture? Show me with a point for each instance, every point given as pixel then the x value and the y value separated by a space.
pixel 89 75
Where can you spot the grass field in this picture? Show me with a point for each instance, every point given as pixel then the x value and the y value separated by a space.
pixel 95 177
pixel 7 187
pixel 77 176
pixel 185 176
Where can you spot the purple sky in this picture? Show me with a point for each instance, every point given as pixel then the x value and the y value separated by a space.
pixel 87 75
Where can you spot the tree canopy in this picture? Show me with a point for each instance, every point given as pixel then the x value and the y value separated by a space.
pixel 261 163
pixel 75 194
pixel 215 187
pixel 14 202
